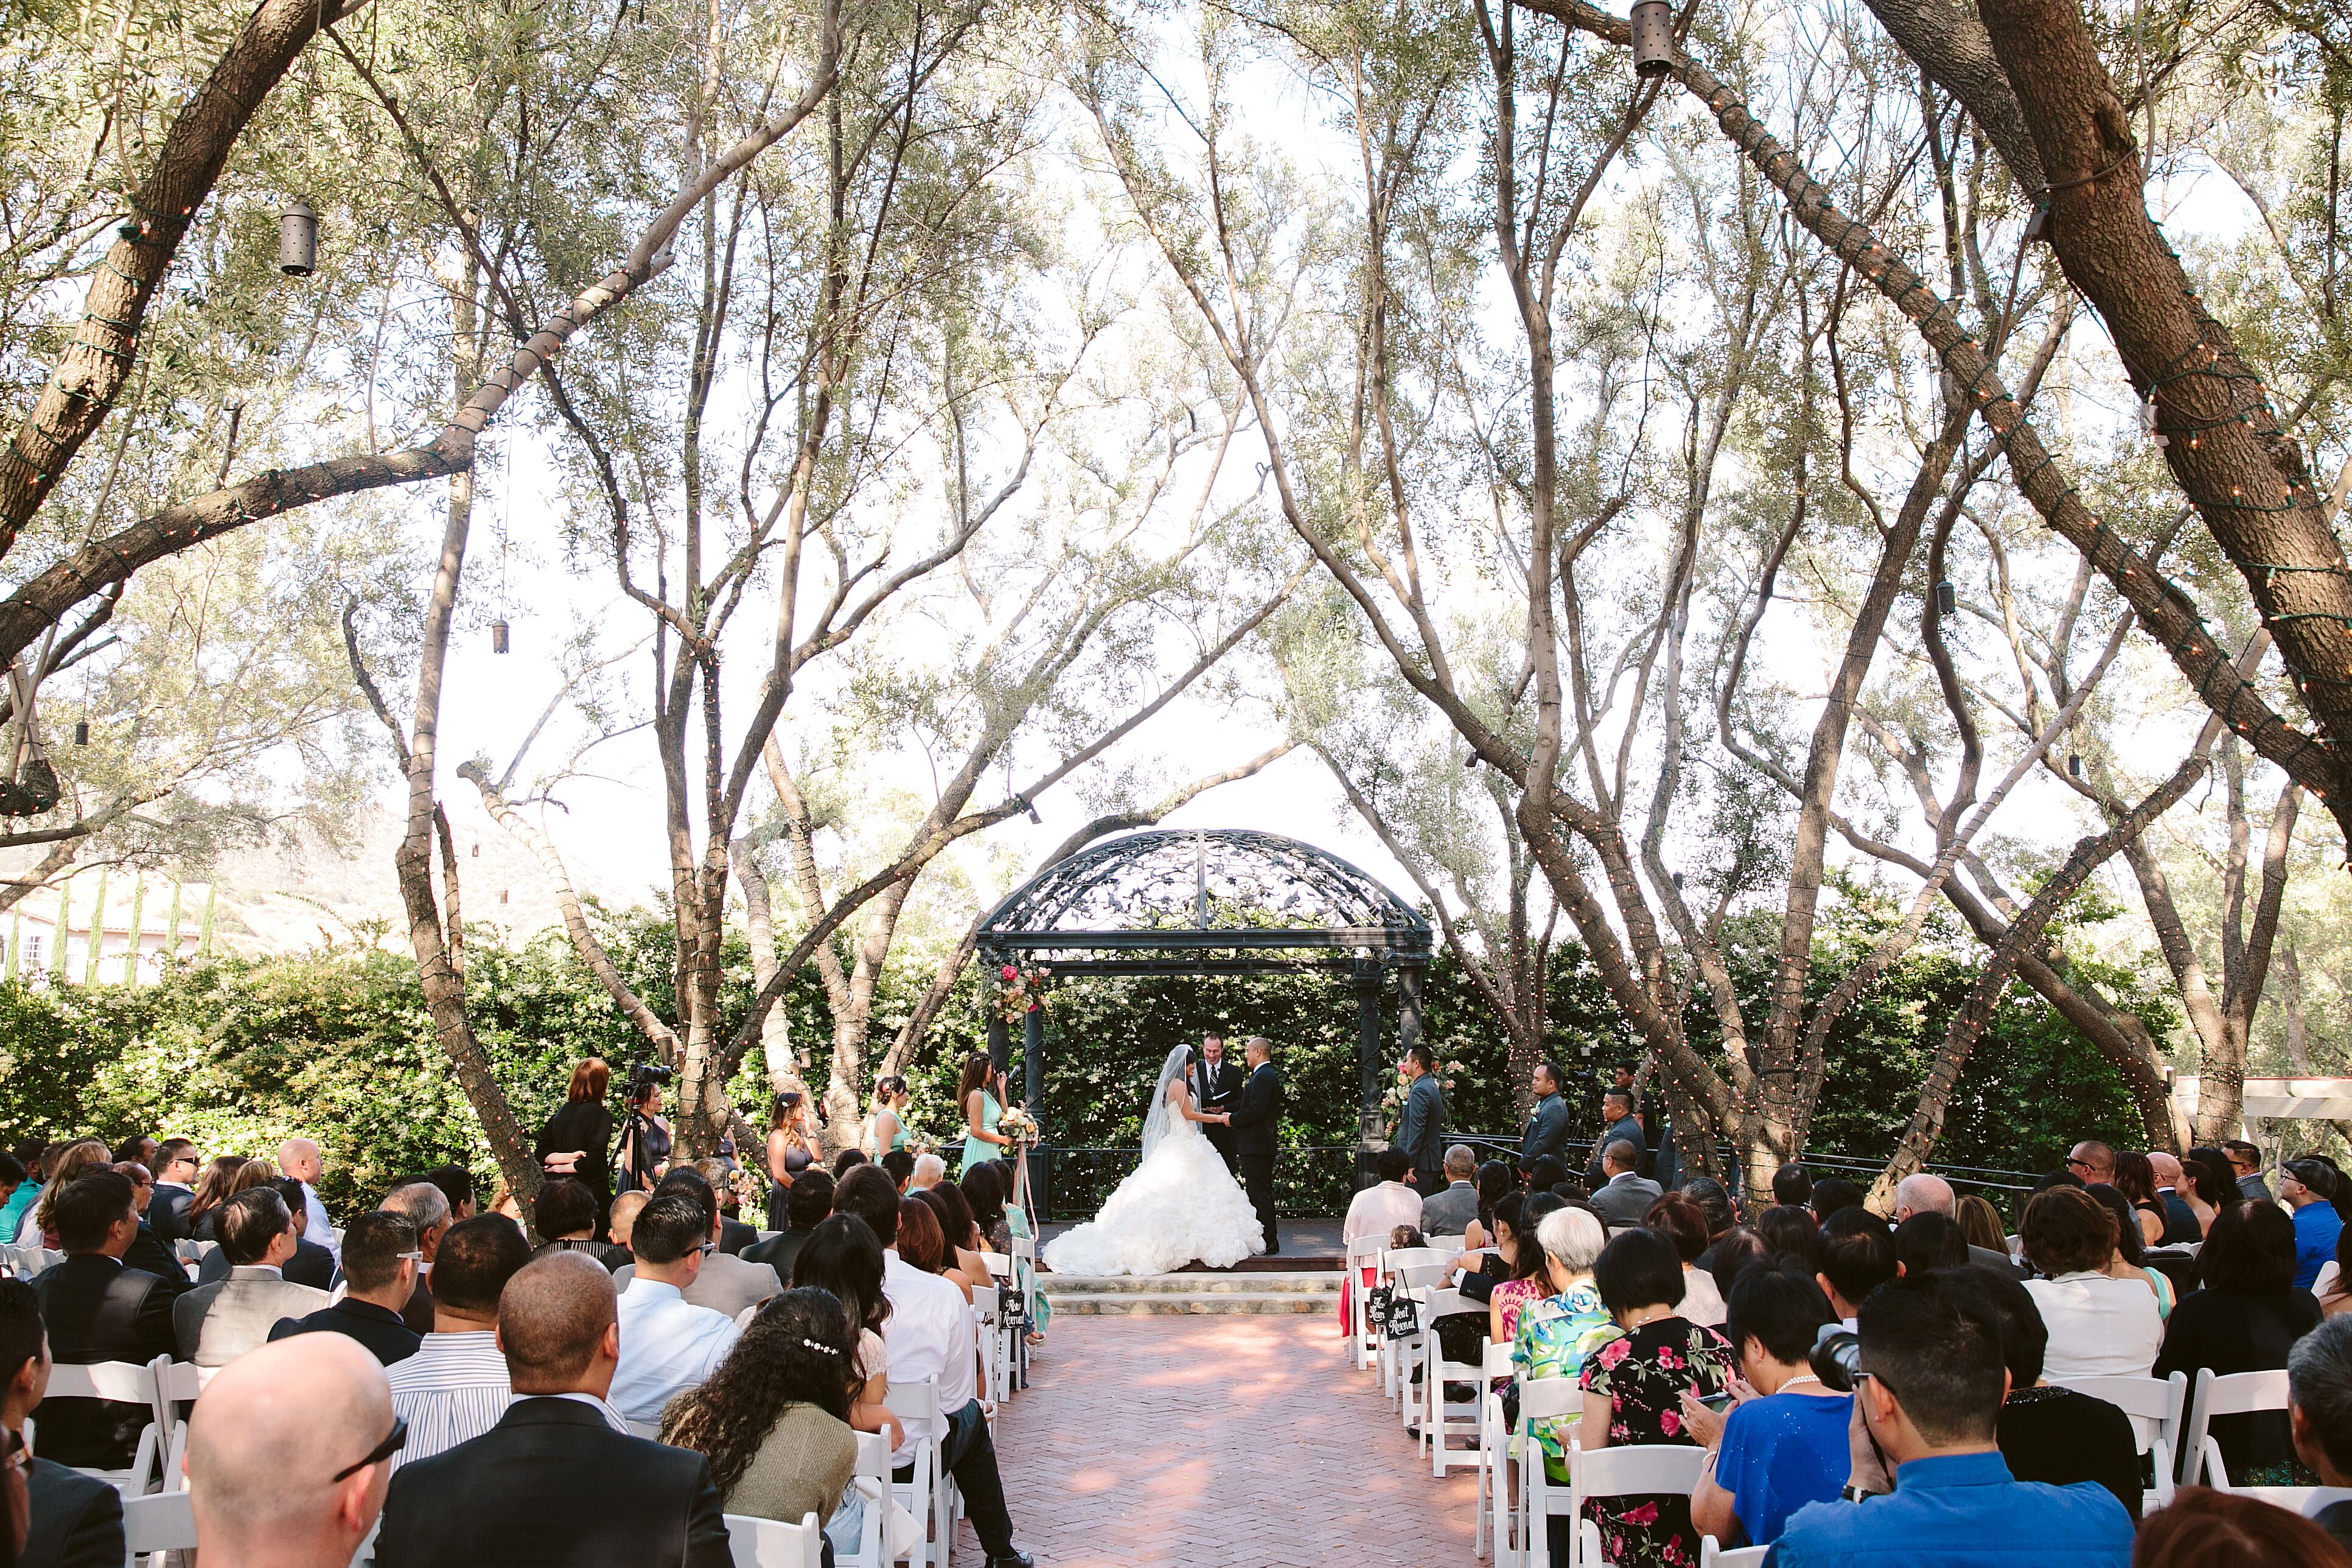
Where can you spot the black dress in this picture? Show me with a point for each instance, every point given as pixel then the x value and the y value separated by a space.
pixel 2241 1331
pixel 585 1125
pixel 796 1160
pixel 2059 1436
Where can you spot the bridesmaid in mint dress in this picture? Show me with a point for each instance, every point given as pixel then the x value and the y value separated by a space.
pixel 976 1097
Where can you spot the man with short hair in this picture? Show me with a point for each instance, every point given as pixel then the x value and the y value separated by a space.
pixel 1421 1129
pixel 97 1310
pixel 2319 1412
pixel 1625 1195
pixel 76 1520
pixel 147 1250
pixel 929 1170
pixel 1546 1132
pixel 456 1185
pixel 806 1203
pixel 453 1388
pixel 216 1323
pixel 930 1334
pixel 1257 1121
pixel 1793 1186
pixel 1379 1208
pixel 311 1264
pixel 1618 1126
pixel 299 1159
pixel 558 1481
pixel 1925 1193
pixel 667 1344
pixel 722 1284
pixel 1930 1404
pixel 2180 1226
pixel 1216 1084
pixel 2306 1187
pixel 2092 1161
pixel 1857 1257
pixel 427 1207
pixel 380 1259
pixel 1449 1210
pixel 2246 1165
pixel 900 1166
pixel 1831 1196
pixel 289 1452
pixel 176 1177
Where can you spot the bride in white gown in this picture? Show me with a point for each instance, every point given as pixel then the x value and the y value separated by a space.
pixel 1180 1206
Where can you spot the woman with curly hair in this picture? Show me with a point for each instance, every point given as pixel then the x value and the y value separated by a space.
pixel 774 1420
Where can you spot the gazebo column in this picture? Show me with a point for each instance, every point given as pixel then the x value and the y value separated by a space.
pixel 1000 1040
pixel 1370 1130
pixel 1032 1094
pixel 1409 980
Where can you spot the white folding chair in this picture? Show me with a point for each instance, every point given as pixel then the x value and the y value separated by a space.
pixel 1541 1399
pixel 34 1259
pixel 1363 1343
pixel 1711 1555
pixel 986 1327
pixel 1639 1470
pixel 1436 1371
pixel 1493 1448
pixel 918 1405
pixel 124 1383
pixel 1411 1274
pixel 177 1383
pixel 2159 1405
pixel 773 1543
pixel 162 1522
pixel 872 1479
pixel 2232 1394
pixel 2217 1475
pixel 1004 1277
pixel 1025 1278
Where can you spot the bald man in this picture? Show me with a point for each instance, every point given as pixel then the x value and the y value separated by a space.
pixel 289 1454
pixel 518 1495
pixel 1925 1193
pixel 2181 1225
pixel 299 1158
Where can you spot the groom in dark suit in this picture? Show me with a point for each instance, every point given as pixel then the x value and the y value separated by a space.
pixel 1216 1086
pixel 1255 1119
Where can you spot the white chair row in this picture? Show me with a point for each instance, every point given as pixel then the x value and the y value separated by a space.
pixel 162 1386
pixel 2158 1406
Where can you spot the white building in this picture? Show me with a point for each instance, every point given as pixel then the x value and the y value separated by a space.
pixel 97 927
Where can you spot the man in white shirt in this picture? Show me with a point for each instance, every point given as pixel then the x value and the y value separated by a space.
pixel 453 1388
pixel 930 1334
pixel 726 1285
pixel 1377 1210
pixel 300 1158
pixel 667 1344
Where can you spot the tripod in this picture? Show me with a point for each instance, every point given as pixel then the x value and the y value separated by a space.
pixel 632 1144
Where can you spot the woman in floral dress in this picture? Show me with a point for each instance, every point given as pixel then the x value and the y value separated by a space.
pixel 1633 1388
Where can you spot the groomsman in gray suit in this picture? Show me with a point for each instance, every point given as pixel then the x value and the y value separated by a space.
pixel 1422 1131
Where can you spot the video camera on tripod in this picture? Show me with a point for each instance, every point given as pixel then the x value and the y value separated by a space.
pixel 645 1077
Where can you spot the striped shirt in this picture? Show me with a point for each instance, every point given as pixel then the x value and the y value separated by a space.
pixel 451 1391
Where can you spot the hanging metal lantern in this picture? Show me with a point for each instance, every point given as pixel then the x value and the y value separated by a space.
pixel 1654 38
pixel 297 239
pixel 498 637
pixel 1948 598
pixel 2075 765
pixel 81 732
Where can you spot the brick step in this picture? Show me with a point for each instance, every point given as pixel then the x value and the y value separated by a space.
pixel 1060 1285
pixel 1156 1303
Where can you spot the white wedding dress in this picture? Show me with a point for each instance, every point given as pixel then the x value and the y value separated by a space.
pixel 1182 1205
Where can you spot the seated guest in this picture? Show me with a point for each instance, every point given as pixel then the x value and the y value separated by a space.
pixel 922 1247
pixel 2245 1318
pixel 287 1454
pixel 842 1257
pixel 456 1185
pixel 1387 1204
pixel 453 1388
pixel 806 1203
pixel 2099 1326
pixel 2049 1433
pixel 1523 1277
pixel 1545 1172
pixel 566 1213
pixel 147 1253
pixel 1925 1193
pixel 97 1310
pixel 216 1323
pixel 1771 1456
pixel 75 1521
pixel 1714 1200
pixel 722 1284
pixel 39 1228
pixel 311 1264
pixel 984 1192
pixel 1788 1231
pixel 2129 1259
pixel 2209 1529
pixel 1634 1391
pixel 2319 1411
pixel 1558 1332
pixel 1857 1257
pixel 1792 1187
pixel 1624 1194
pixel 301 1161
pixel 667 1344
pixel 960 1231
pixel 930 1334
pixel 175 1173
pixel 1931 1405
pixel 2135 1179
pixel 2180 1223
pixel 212 1191
pixel 427 1208
pixel 927 1173
pixel 2213 1186
pixel 2245 1162
pixel 1453 1208
pixel 846 1158
pixel 2308 1187
pixel 1682 1222
pixel 734 1235
pixel 900 1166
pixel 1930 1241
pixel 624 1215
pixel 380 1260
pixel 774 1420
pixel 2333 1286
pixel 1832 1196
pixel 1739 1250
pixel 559 1483
pixel 1980 1222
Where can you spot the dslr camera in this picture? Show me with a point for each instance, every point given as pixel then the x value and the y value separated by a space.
pixel 1836 1357
pixel 645 1077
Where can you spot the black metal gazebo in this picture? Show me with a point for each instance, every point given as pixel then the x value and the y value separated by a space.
pixel 1223 901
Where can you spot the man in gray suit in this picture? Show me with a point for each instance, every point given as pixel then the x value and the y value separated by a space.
pixel 1547 1128
pixel 1618 1125
pixel 726 1284
pixel 1450 1212
pixel 1420 1132
pixel 216 1323
pixel 1625 1195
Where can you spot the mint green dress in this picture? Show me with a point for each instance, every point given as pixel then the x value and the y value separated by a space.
pixel 979 1151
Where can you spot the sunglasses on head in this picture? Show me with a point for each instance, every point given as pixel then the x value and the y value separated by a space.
pixel 394 1441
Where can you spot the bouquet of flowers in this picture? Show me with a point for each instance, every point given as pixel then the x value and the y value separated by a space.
pixel 1017 1125
pixel 748 1190
pixel 1020 992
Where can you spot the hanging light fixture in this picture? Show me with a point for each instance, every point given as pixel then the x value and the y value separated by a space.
pixel 498 635
pixel 2075 763
pixel 1654 38
pixel 297 239
pixel 1948 598
pixel 81 732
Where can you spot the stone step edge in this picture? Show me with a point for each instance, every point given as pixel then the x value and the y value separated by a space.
pixel 1271 1304
pixel 1186 1284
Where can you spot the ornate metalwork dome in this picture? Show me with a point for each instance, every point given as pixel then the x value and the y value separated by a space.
pixel 1203 890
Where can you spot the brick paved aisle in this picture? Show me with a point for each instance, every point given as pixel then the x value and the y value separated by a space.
pixel 1213 1441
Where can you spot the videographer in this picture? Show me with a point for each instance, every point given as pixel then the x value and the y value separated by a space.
pixel 1928 1481
pixel 642 1154
pixel 578 1139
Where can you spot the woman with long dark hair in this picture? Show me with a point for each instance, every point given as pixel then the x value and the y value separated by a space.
pixel 842 1256
pixel 212 1191
pixel 1524 1278
pixel 2245 1319
pixel 774 1420
pixel 983 1194
pixel 577 1141
pixel 887 1124
pixel 923 1245
pixel 792 1149
pixel 963 1233
pixel 977 1104
pixel 2135 1179
pixel 2213 1186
